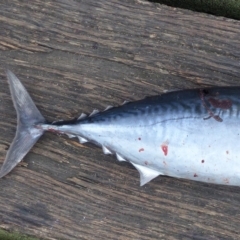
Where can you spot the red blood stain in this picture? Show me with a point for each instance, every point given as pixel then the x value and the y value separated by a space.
pixel 146 162
pixel 141 150
pixel 216 103
pixel 223 104
pixel 165 149
pixel 139 139
pixel 203 161
pixel 217 118
pixel 54 131
pixel 195 175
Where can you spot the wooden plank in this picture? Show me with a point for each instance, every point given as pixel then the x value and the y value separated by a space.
pixel 75 56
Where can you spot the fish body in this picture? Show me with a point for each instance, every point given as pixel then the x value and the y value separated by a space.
pixel 191 134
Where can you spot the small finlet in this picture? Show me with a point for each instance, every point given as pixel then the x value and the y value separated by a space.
pixel 105 150
pixel 95 111
pixel 146 174
pixel 108 107
pixel 170 90
pixel 120 158
pixel 71 135
pixel 82 116
pixel 125 102
pixel 82 140
pixel 57 121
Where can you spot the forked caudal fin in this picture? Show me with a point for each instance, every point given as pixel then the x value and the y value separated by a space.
pixel 27 133
pixel 27 117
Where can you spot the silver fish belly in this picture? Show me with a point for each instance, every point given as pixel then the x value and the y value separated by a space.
pixel 190 134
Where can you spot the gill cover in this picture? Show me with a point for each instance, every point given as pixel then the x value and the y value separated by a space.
pixel 27 117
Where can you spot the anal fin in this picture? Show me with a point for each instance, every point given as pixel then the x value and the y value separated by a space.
pixel 146 174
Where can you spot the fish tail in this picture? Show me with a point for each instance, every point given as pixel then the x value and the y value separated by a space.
pixel 28 116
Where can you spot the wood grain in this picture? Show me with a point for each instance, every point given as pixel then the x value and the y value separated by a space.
pixel 76 56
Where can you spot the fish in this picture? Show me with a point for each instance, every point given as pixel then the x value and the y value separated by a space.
pixel 191 134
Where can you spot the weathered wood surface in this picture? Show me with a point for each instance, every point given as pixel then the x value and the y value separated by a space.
pixel 75 56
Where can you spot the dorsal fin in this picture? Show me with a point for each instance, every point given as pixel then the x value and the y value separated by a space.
pixel 146 174
pixel 95 111
pixel 82 116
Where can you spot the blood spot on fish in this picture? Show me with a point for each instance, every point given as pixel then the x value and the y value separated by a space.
pixel 195 175
pixel 54 130
pixel 141 150
pixel 165 164
pixel 211 115
pixel 146 162
pixel 165 149
pixel 139 139
pixel 223 104
pixel 227 152
pixel 216 103
pixel 203 161
pixel 217 118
